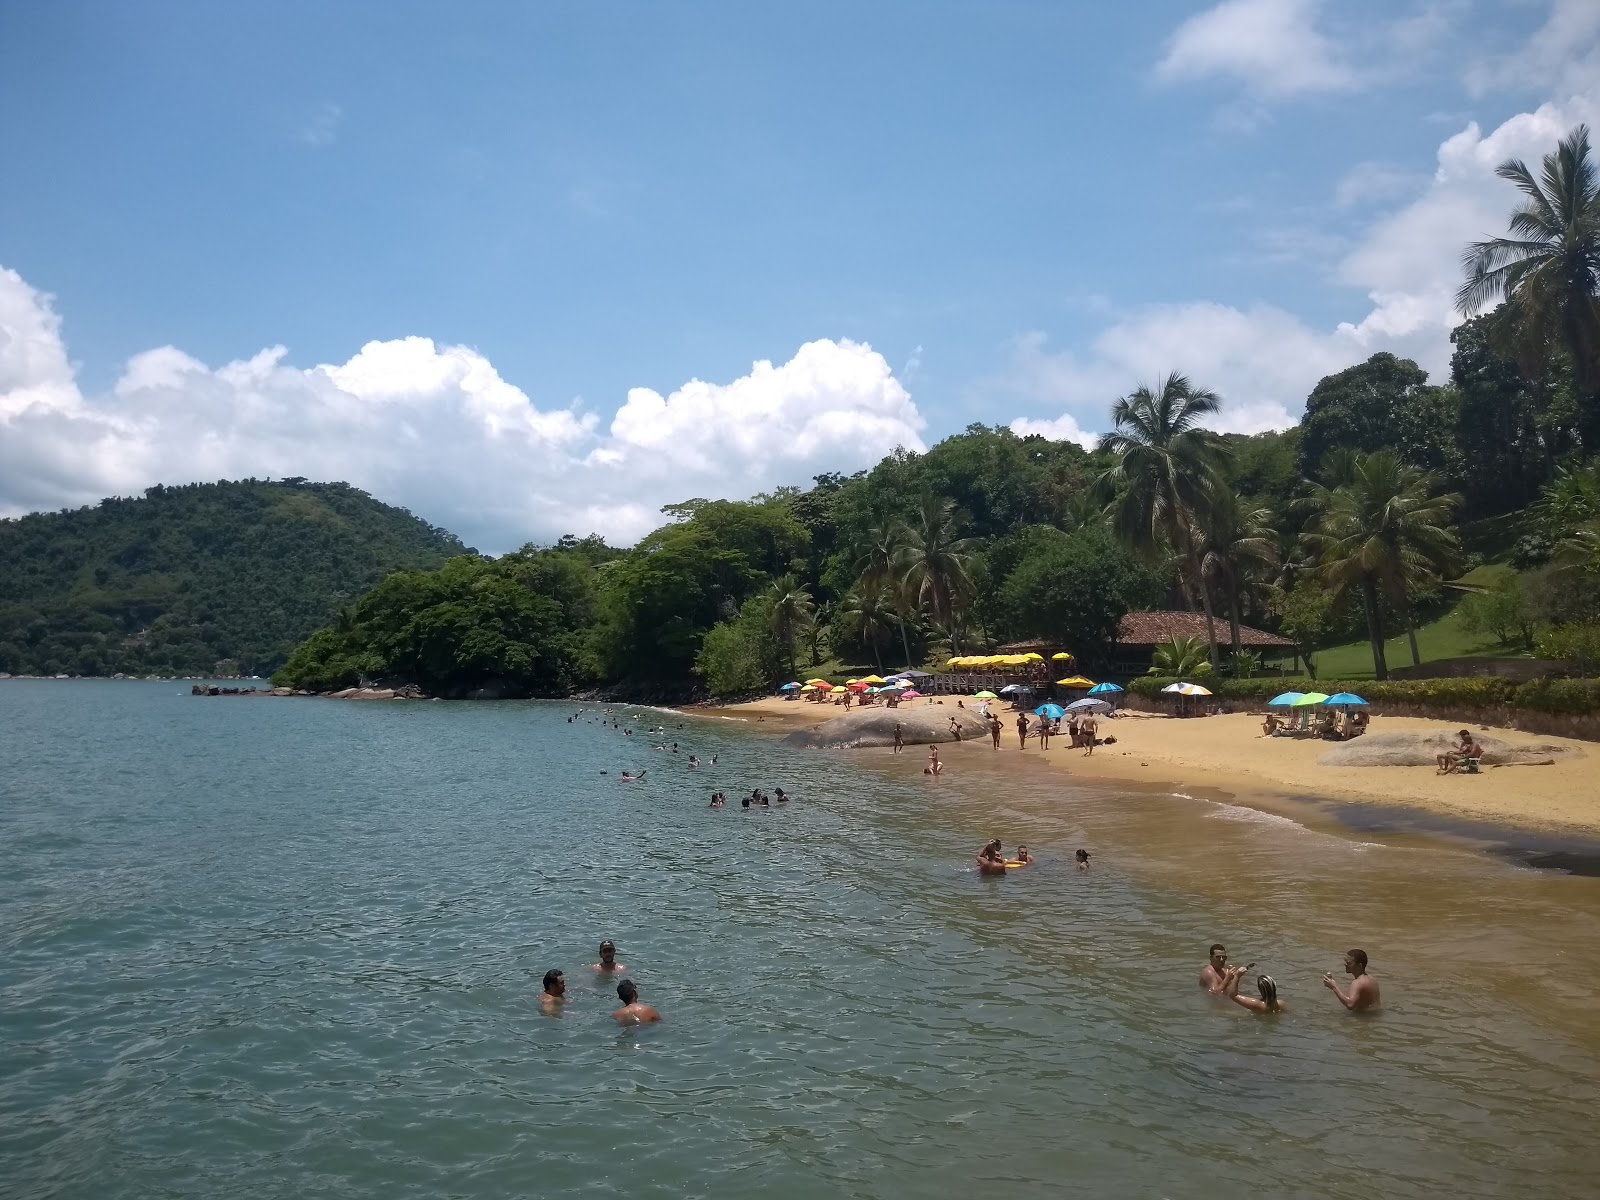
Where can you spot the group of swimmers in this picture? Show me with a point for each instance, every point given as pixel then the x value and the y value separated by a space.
pixel 1219 979
pixel 553 999
pixel 756 799
pixel 993 861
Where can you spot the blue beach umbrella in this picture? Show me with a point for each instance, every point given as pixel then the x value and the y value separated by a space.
pixel 1344 700
pixel 1102 689
pixel 1285 700
pixel 1054 711
pixel 790 687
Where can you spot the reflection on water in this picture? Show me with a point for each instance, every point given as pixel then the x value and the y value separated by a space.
pixel 283 948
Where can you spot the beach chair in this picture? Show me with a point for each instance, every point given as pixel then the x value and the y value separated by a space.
pixel 1471 764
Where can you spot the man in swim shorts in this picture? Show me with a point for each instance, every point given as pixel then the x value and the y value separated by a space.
pixel 899 737
pixel 632 1012
pixel 608 959
pixel 1363 992
pixel 995 729
pixel 1022 731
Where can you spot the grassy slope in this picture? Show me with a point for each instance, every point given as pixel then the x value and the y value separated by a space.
pixel 1437 640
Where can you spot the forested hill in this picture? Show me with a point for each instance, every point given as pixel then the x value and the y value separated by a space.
pixel 186 578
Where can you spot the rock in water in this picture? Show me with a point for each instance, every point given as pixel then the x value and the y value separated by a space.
pixel 875 727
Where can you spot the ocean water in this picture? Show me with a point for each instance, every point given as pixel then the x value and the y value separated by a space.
pixel 283 948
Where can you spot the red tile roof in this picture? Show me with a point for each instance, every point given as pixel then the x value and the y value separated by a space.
pixel 1152 628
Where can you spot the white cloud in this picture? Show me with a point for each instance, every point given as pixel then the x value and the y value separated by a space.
pixel 1264 360
pixel 1273 47
pixel 432 427
pixel 1373 182
pixel 322 127
pixel 1561 59
pixel 1064 428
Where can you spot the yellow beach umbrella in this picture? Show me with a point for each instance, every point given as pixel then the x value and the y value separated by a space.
pixel 952 662
pixel 1075 681
pixel 1032 657
pixel 838 691
pixel 872 679
pixel 819 683
pixel 1063 656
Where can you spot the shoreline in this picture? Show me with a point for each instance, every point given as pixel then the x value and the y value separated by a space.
pixel 1529 811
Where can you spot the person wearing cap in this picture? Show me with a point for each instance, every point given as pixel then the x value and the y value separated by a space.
pixel 608 959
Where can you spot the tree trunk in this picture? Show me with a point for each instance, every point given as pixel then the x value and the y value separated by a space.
pixel 1205 601
pixel 905 643
pixel 1233 617
pixel 1369 601
pixel 1411 630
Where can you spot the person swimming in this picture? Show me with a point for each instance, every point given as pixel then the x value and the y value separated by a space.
pixel 1268 990
pixel 779 795
pixel 608 958
pixel 717 800
pixel 626 777
pixel 1083 860
pixel 991 861
pixel 632 1011
pixel 1023 856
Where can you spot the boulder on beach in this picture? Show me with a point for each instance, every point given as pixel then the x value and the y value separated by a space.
pixel 1423 749
pixel 920 724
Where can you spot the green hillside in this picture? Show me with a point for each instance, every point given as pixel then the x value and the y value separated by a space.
pixel 185 578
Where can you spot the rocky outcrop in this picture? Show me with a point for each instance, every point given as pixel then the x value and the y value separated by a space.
pixel 919 725
pixel 1423 749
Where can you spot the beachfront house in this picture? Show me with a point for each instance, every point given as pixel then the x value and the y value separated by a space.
pixel 1141 632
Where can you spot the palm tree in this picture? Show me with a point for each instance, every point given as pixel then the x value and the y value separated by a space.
pixel 1180 657
pixel 793 611
pixel 1381 533
pixel 866 615
pixel 1235 542
pixel 1167 468
pixel 1548 271
pixel 875 568
pixel 934 564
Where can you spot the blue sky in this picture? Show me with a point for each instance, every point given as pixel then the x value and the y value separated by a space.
pixel 1023 209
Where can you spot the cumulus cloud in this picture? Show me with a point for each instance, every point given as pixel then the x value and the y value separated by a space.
pixel 433 427
pixel 1273 47
pixel 1264 360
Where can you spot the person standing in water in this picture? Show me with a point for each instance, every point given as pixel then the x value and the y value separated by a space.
pixel 934 767
pixel 899 737
pixel 608 959
pixel 1363 993
pixel 632 1012
pixel 991 859
pixel 554 994
pixel 1083 860
pixel 1022 731
pixel 1214 975
pixel 994 730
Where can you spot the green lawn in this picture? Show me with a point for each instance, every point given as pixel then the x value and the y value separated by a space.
pixel 1441 639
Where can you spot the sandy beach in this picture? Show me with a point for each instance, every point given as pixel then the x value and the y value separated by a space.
pixel 1228 755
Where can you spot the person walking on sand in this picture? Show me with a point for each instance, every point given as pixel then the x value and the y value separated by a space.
pixel 1087 729
pixel 1043 733
pixel 994 730
pixel 1363 993
pixel 632 1011
pixel 899 737
pixel 1022 731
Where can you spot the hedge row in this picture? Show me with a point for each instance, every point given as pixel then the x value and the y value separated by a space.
pixel 1540 695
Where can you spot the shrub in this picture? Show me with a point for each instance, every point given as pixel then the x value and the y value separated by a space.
pixel 1560 695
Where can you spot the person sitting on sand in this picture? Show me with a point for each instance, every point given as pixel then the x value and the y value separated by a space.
pixel 1363 992
pixel 1269 726
pixel 991 861
pixel 1083 860
pixel 554 994
pixel 632 1011
pixel 608 958
pixel 1450 761
pixel 1023 856
pixel 1269 1003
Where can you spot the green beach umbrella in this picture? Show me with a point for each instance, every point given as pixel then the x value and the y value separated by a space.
pixel 1309 699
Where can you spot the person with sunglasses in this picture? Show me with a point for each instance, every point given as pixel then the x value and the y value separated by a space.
pixel 608 959
pixel 1215 974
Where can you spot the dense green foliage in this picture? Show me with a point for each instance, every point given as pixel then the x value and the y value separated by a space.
pixel 1574 696
pixel 185 578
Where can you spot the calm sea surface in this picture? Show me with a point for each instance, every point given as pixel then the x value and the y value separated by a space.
pixel 286 948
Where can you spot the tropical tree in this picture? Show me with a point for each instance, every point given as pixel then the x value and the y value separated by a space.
pixel 1548 271
pixel 793 612
pixel 1167 468
pixel 876 562
pixel 866 616
pixel 1236 541
pixel 934 565
pixel 1380 533
pixel 1183 657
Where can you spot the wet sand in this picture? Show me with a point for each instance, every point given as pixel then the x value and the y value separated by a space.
pixel 1228 755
